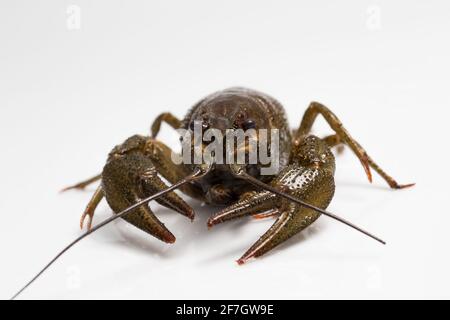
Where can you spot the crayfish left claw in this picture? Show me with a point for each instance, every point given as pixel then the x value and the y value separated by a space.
pixel 314 186
pixel 278 233
pixel 309 179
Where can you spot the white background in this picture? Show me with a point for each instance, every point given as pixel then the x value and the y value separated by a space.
pixel 69 94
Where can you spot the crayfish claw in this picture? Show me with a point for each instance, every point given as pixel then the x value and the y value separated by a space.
pixel 258 202
pixel 126 180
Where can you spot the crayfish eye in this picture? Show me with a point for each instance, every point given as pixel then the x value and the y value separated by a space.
pixel 248 124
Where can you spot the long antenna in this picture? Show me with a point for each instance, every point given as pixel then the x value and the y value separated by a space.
pixel 198 173
pixel 242 174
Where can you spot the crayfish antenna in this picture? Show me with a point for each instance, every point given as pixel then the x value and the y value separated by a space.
pixel 197 174
pixel 242 174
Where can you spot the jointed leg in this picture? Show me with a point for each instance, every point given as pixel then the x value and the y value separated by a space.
pixel 83 184
pixel 334 141
pixel 168 118
pixel 310 116
pixel 90 209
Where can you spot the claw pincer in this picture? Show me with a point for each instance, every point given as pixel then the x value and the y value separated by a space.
pixel 309 177
pixel 130 176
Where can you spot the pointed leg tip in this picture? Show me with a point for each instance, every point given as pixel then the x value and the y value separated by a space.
pixel 241 262
pixel 405 186
pixel 246 257
pixel 82 221
pixel 369 175
pixel 63 190
pixel 211 223
pixel 395 185
pixel 366 166
pixel 191 215
pixel 169 238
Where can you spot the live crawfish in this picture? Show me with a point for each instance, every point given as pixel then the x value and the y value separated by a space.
pixel 296 195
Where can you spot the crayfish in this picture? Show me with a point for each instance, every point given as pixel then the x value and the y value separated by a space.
pixel 287 174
